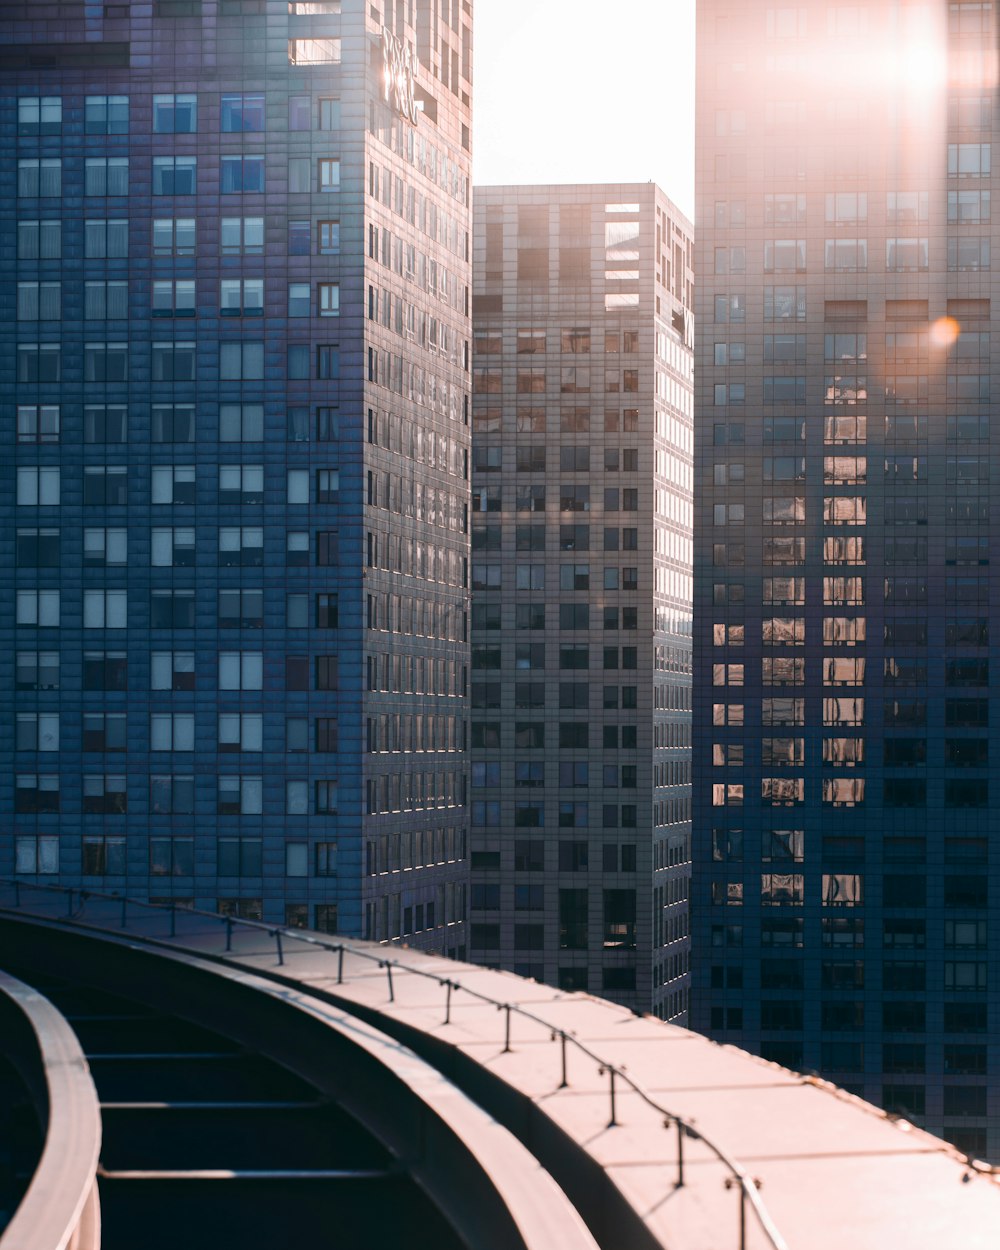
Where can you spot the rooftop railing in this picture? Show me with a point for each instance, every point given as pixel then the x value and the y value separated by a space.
pixel 75 899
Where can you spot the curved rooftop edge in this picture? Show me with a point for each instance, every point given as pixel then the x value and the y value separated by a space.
pixel 583 1085
pixel 60 1209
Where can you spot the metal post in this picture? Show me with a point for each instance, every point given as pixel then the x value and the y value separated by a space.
pixel 743 1215
pixel 680 1154
pixel 613 1121
pixel 277 942
pixel 447 1002
pixel 340 965
pixel 388 973
pixel 229 933
pixel 173 919
pixel 69 902
pixel 506 1031
pixel 564 1083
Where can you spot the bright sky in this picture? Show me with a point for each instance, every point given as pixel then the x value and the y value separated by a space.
pixel 585 91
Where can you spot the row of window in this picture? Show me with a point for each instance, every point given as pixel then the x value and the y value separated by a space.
pixel 177 113
pixel 575 341
pixel 40 794
pixel 39 854
pixel 176 361
pixel 174 609
pixel 971 713
pixel 174 731
pixel 107 485
pixel 176 423
pixel 531 735
pixel 571 577
pixel 171 236
pixel 174 297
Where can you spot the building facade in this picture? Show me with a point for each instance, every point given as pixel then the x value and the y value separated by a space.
pixel 235 361
pixel 581 502
pixel 845 914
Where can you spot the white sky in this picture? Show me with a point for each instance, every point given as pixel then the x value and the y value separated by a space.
pixel 585 91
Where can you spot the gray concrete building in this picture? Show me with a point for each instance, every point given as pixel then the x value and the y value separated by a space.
pixel 580 696
pixel 846 866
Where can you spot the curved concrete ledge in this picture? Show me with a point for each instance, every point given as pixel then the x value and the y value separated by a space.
pixel 60 1210
pixel 485 1182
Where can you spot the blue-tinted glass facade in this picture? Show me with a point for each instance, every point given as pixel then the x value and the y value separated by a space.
pixel 235 369
pixel 845 545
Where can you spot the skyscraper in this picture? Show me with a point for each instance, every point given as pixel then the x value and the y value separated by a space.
pixel 845 846
pixel 581 506
pixel 235 264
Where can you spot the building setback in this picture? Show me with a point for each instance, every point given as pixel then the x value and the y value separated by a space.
pixel 235 266
pixel 845 846
pixel 582 443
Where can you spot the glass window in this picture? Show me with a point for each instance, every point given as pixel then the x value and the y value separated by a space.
pixel 175 114
pixel 241 113
pixel 106 115
pixel 175 175
pixel 242 174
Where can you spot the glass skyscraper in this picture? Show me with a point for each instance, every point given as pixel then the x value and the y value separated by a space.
pixel 234 245
pixel 845 842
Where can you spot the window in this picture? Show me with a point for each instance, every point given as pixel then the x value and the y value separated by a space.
pixel 241 361
pixel 241 236
pixel 240 796
pixel 170 857
pixel 105 362
pixel 106 115
pixel 172 423
pixel 175 175
pixel 327 362
pixel 328 238
pixel 241 483
pixel 172 670
pixel 103 856
pixel 241 113
pixel 104 794
pixel 172 297
pixel 329 299
pixel 105 670
pixel 241 731
pixel 299 112
pixel 105 239
pixel 299 299
pixel 328 169
pixel 105 609
pixel 241 174
pixel 314 51
pixel 105 547
pixel 173 483
pixel 241 297
pixel 104 732
pixel 36 854
pixel 36 731
pixel 38 423
pixel 39 115
pixel 37 485
pixel 38 608
pixel 172 547
pixel 39 240
pixel 174 236
pixel 37 670
pixel 39 301
pixel 241 546
pixel 39 177
pixel 241 609
pixel 175 114
pixel 37 795
pixel 241 423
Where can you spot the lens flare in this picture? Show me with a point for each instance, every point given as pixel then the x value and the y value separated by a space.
pixel 945 331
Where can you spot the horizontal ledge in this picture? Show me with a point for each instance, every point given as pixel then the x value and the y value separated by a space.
pixel 243 1174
